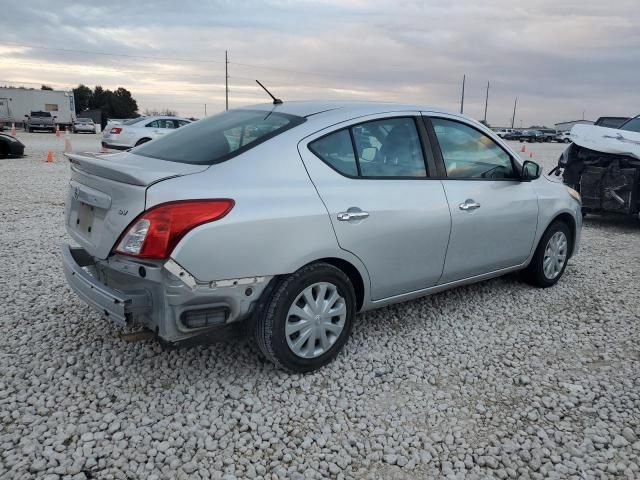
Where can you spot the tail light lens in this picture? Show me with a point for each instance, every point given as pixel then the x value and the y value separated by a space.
pixel 115 130
pixel 156 232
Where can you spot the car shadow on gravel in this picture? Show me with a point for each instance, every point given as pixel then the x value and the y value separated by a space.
pixel 627 224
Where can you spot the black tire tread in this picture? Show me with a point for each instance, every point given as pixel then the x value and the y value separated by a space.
pixel 263 328
pixel 533 274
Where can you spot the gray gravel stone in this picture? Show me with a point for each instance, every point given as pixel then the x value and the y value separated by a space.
pixel 493 380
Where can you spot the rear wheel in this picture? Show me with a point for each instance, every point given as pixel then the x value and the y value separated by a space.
pixel 307 318
pixel 551 256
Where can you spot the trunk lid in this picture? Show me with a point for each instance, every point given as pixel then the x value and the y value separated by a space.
pixel 107 192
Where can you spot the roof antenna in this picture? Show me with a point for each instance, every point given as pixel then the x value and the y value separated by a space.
pixel 276 101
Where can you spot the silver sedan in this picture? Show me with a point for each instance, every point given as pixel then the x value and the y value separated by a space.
pixel 290 219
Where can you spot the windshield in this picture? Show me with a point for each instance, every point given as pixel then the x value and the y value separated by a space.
pixel 40 114
pixel 220 137
pixel 632 125
pixel 84 120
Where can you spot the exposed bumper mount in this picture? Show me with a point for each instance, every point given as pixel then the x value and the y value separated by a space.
pixel 117 306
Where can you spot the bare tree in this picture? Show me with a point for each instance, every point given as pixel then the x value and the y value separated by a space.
pixel 154 113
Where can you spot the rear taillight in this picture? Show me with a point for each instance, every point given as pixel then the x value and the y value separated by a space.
pixel 156 232
pixel 115 130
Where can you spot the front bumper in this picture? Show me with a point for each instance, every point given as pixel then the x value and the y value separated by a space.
pixel 128 291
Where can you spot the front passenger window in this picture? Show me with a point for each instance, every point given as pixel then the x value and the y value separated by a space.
pixel 468 153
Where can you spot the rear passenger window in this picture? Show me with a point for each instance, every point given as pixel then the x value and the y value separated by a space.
pixel 389 148
pixel 337 151
pixel 382 148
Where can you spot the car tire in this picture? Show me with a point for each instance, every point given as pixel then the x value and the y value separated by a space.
pixel 551 256
pixel 141 141
pixel 281 335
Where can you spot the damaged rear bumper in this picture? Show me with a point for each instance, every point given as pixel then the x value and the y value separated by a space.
pixel 115 305
pixel 160 296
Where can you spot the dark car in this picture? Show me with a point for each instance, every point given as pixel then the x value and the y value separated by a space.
pixel 10 146
pixel 527 136
pixel 516 135
pixel 611 122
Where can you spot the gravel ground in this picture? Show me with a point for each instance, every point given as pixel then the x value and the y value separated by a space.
pixel 495 380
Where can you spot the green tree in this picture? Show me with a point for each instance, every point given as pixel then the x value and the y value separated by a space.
pixel 46 87
pixel 82 95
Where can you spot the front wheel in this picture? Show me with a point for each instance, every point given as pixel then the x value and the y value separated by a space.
pixel 306 319
pixel 551 256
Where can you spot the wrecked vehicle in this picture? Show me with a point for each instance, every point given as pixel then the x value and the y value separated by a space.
pixel 603 164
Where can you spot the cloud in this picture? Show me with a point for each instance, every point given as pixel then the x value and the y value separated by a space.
pixel 559 59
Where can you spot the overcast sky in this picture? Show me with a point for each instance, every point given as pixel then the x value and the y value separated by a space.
pixel 559 58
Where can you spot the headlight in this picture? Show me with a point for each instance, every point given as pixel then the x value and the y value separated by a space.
pixel 575 195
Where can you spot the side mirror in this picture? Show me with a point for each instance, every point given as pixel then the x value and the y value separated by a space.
pixel 26 116
pixel 530 171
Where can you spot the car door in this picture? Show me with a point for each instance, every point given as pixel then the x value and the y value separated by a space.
pixel 372 177
pixel 494 215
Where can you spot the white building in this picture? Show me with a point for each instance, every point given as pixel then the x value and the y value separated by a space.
pixel 15 103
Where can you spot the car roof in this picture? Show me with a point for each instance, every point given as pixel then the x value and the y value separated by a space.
pixel 162 117
pixel 309 108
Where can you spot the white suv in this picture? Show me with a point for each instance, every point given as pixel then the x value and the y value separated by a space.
pixel 134 132
pixel 503 131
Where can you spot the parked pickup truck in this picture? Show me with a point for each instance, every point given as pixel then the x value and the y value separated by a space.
pixel 40 121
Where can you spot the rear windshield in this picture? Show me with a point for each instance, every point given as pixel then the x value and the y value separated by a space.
pixel 220 137
pixel 85 120
pixel 632 125
pixel 132 121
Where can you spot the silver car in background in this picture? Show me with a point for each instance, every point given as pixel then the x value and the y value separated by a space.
pixel 136 131
pixel 292 218
pixel 84 125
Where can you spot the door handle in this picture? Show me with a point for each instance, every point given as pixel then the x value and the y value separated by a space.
pixel 352 215
pixel 469 205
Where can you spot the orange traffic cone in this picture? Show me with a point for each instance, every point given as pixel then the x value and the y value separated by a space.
pixel 13 129
pixel 57 131
pixel 67 142
pixel 49 157
pixel 530 154
pixel 523 148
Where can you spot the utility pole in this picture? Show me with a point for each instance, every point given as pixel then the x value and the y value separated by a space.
pixel 226 81
pixel 205 109
pixel 464 78
pixel 513 119
pixel 486 104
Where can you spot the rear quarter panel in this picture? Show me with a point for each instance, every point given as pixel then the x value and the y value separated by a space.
pixel 278 223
